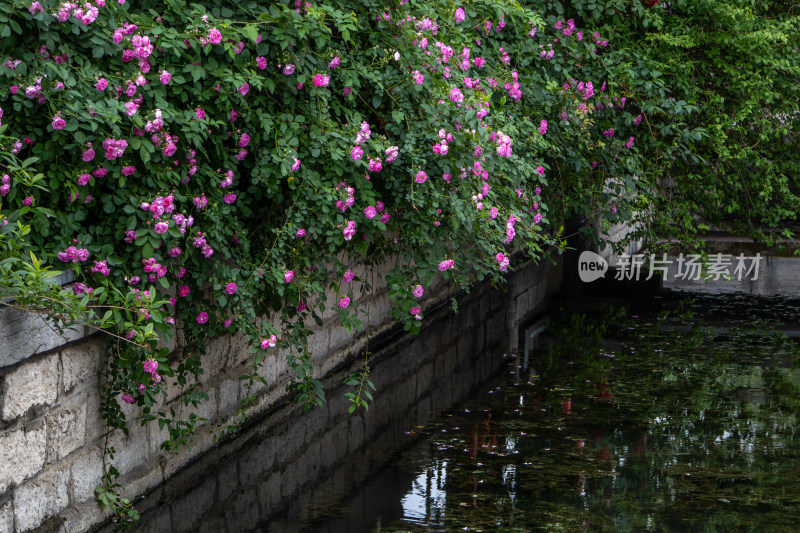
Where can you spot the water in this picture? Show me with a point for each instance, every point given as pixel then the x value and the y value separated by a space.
pixel 664 417
pixel 643 421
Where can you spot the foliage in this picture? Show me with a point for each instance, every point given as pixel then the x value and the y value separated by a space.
pixel 732 162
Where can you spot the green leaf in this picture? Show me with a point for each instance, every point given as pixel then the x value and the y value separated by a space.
pixel 147 250
pixel 251 32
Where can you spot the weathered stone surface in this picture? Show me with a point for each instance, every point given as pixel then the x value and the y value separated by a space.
pixel 24 334
pixel 33 383
pixel 155 437
pixel 95 426
pixel 87 473
pixel 66 427
pixel 239 351
pixel 339 337
pixel 216 354
pixel 131 451
pixel 22 454
pixel 41 497
pixel 228 397
pixel 6 517
pixel 318 343
pixel 81 362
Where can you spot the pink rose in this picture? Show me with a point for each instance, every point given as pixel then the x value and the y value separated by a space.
pixel 214 36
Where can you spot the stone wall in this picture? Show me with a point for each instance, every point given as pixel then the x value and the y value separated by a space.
pixel 51 434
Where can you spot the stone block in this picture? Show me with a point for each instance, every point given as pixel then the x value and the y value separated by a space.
pixel 6 517
pixel 378 305
pixel 95 426
pixel 66 428
pixel 41 497
pixel 239 351
pixel 23 334
pixel 785 274
pixel 171 387
pixel 22 454
pixel 132 450
pixel 172 462
pixel 135 486
pixel 206 409
pixel 272 365
pixel 246 390
pixel 331 304
pixel 339 338
pixel 228 397
pixel 217 352
pixel 81 362
pixel 32 383
pixel 155 437
pixel 87 473
pixel 318 343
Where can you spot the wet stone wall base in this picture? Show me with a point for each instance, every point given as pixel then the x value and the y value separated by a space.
pixel 51 433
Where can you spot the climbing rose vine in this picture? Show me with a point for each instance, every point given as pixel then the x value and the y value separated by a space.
pixel 228 164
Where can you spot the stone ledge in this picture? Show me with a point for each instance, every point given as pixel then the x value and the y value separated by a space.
pixel 23 334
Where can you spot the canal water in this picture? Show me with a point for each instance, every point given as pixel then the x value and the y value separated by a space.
pixel 661 414
pixel 679 417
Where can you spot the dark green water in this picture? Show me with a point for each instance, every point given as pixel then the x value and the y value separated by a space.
pixel 617 422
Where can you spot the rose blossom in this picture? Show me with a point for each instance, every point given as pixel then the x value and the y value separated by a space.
pixel 214 36
pixel 58 122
